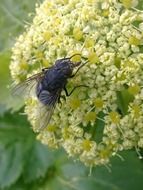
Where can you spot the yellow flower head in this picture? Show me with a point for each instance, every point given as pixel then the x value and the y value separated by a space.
pixel 110 104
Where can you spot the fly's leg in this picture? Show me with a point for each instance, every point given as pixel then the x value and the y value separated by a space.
pixel 69 93
pixel 78 69
pixel 59 99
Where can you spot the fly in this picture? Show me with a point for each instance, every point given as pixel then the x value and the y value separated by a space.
pixel 49 84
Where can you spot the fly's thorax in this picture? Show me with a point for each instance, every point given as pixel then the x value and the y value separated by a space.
pixel 64 66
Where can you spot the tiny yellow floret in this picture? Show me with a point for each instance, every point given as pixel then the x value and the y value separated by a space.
pixel 91 116
pixel 136 110
pixel 98 102
pixel 74 103
pixel 77 33
pixel 134 41
pixel 134 90
pixel 115 117
pixel 86 144
pixel 93 58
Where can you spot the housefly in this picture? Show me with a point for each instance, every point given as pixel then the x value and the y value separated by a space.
pixel 48 85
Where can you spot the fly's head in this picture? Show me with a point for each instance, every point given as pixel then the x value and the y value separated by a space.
pixel 66 66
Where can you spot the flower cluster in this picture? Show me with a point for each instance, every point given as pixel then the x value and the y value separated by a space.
pixel 97 122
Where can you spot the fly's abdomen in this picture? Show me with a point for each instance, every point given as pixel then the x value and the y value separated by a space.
pixel 49 88
pixel 45 97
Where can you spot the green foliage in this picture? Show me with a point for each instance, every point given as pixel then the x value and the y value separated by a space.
pixel 4 79
pixel 13 16
pixel 123 100
pixel 21 153
pixel 26 163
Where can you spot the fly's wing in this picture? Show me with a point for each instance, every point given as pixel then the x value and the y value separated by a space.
pixel 26 88
pixel 45 111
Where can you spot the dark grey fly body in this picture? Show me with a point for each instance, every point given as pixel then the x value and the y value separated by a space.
pixel 48 89
pixel 49 84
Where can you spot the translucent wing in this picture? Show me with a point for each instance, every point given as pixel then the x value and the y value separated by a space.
pixel 44 112
pixel 26 88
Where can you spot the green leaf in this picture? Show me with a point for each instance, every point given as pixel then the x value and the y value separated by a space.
pixel 22 156
pixel 10 164
pixel 6 99
pixel 13 14
pixel 4 76
pixel 2 109
pixel 140 5
pixel 13 17
pixel 38 163
pixel 29 165
pixel 42 170
pixel 124 175
pixel 13 146
pixel 69 175
pixel 123 100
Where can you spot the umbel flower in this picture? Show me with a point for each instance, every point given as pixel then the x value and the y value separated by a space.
pixel 97 122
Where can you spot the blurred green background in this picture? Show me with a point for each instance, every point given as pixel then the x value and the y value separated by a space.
pixel 27 164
